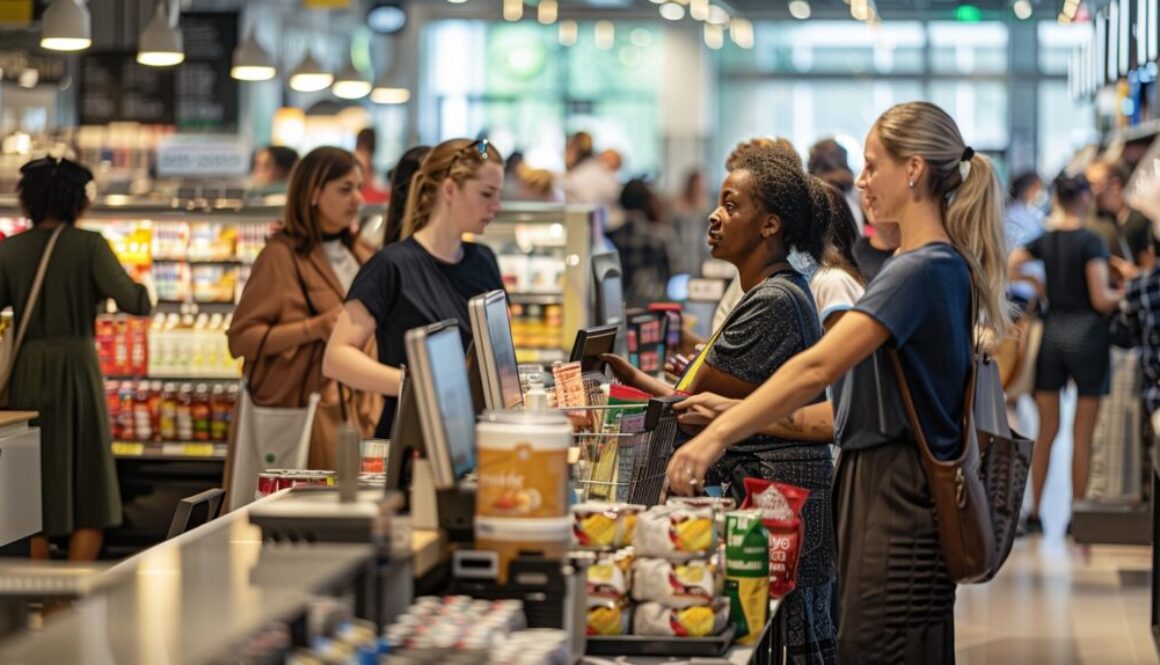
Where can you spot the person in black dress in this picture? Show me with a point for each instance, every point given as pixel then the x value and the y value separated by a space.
pixel 1075 345
pixel 426 277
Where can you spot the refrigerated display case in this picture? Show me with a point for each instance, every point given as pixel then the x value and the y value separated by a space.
pixel 543 252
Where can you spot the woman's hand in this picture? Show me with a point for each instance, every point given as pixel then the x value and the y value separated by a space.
pixel 1122 269
pixel 703 408
pixel 622 369
pixel 690 463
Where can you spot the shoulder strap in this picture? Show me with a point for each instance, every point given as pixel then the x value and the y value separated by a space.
pixel 34 294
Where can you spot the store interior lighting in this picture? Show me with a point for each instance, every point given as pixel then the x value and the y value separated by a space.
pixel 350 83
pixel 67 26
pixel 1022 9
pixel 382 94
pixel 513 10
pixel 569 33
pixel 251 62
pixel 386 18
pixel 605 35
pixel 714 36
pixel 309 76
pixel 161 43
pixel 800 9
pixel 864 10
pixel 717 15
pixel 548 12
pixel 741 32
pixel 671 11
pixel 699 10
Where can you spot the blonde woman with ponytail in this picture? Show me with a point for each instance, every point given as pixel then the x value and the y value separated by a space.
pixel 895 599
pixel 428 276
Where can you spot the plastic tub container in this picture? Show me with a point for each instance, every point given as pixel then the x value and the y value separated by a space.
pixel 509 538
pixel 522 465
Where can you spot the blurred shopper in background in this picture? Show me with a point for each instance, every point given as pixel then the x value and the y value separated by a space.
pixel 831 162
pixel 880 243
pixel 588 180
pixel 401 177
pixel 365 146
pixel 1025 216
pixel 270 171
pixel 691 208
pixel 1126 232
pixel 645 245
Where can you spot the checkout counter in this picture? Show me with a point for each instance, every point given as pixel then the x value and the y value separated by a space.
pixel 20 505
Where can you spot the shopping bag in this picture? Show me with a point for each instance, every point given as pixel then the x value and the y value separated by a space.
pixel 268 438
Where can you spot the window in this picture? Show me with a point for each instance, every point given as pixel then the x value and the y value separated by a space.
pixel 1065 126
pixel 980 109
pixel 840 47
pixel 964 48
pixel 1057 43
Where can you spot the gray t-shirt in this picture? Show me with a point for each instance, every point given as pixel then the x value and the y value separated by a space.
pixel 923 298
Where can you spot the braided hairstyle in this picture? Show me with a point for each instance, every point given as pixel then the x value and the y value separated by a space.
pixel 783 189
pixel 401 177
pixel 55 189
pixel 458 159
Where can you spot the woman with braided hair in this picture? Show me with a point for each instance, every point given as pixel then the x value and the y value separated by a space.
pixel 426 277
pixel 56 371
pixel 769 207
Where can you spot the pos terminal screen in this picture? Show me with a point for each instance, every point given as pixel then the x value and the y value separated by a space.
pixel 503 350
pixel 453 398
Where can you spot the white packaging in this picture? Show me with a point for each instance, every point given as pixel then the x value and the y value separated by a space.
pixel 676 585
pixel 676 533
pixel 655 619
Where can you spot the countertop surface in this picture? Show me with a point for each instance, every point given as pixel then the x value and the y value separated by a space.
pixel 12 417
pixel 190 599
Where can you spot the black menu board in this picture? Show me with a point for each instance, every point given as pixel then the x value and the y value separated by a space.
pixel 207 97
pixel 197 94
pixel 115 88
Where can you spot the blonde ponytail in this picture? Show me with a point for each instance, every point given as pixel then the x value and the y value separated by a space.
pixel 420 203
pixel 458 159
pixel 972 206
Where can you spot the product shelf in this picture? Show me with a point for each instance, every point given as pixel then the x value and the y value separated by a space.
pixel 170 450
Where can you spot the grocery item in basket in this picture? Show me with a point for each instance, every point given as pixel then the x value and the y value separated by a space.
pixel 700 621
pixel 611 576
pixel 747 573
pixel 522 465
pixel 780 505
pixel 599 525
pixel 609 618
pixel 720 504
pixel 675 532
pixel 675 585
pixel 569 385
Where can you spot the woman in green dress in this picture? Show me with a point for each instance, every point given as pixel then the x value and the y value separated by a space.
pixel 56 371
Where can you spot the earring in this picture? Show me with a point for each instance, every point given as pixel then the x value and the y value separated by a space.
pixel 911 184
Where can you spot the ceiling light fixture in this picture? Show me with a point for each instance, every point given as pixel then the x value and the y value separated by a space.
pixel 309 76
pixel 161 43
pixel 800 9
pixel 350 83
pixel 569 33
pixel 717 15
pixel 548 11
pixel 605 35
pixel 251 62
pixel 714 36
pixel 66 27
pixel 1022 9
pixel 699 9
pixel 390 95
pixel 671 11
pixel 386 19
pixel 741 32
pixel 513 10
pixel 860 9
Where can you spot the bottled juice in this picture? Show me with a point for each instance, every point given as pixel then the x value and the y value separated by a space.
pixel 201 413
pixel 185 412
pixel 219 410
pixel 142 421
pixel 168 426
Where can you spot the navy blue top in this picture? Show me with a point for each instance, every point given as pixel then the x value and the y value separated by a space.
pixel 923 298
pixel 405 287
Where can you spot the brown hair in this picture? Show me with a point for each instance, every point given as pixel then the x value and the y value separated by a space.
pixel 458 159
pixel 310 174
pixel 972 209
pixel 783 145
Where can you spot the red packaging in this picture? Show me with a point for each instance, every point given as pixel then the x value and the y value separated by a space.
pixel 267 484
pixel 138 333
pixel 781 507
pixel 106 342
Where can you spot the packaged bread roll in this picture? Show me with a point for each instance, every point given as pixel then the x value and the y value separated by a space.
pixel 611 576
pixel 675 532
pixel 608 618
pixel 674 584
pixel 654 619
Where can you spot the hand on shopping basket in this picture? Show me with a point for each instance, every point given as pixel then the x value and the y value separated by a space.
pixel 689 464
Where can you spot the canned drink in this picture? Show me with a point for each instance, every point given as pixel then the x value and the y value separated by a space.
pixel 286 480
pixel 267 484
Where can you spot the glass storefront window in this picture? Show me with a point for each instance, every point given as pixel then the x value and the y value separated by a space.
pixel 964 48
pixel 839 47
pixel 979 107
pixel 1065 126
pixel 1057 42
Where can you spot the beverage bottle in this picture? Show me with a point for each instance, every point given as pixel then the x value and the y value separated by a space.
pixel 185 412
pixel 168 424
pixel 155 408
pixel 219 410
pixel 142 422
pixel 125 420
pixel 201 413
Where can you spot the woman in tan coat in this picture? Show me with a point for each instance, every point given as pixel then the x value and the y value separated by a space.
pixel 294 296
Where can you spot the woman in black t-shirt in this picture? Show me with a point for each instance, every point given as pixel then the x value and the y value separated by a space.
pixel 1075 332
pixel 426 277
pixel 895 597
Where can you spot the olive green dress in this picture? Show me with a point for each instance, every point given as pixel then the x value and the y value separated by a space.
pixel 57 372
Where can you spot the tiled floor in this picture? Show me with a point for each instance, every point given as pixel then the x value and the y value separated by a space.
pixel 1058 603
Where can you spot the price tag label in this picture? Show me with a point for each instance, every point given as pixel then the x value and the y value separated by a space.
pixel 198 450
pixel 128 449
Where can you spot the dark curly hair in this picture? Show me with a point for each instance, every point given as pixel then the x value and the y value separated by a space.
pixel 842 233
pixel 401 177
pixel 53 189
pixel 1069 188
pixel 784 190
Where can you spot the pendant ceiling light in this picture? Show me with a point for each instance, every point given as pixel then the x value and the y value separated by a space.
pixel 161 44
pixel 67 26
pixel 251 61
pixel 309 76
pixel 350 83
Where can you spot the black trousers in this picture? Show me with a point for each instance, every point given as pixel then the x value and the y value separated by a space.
pixel 895 599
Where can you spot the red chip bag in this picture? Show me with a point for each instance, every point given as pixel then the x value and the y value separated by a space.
pixel 781 507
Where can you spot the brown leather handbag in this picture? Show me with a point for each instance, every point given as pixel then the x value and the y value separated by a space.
pixel 977 495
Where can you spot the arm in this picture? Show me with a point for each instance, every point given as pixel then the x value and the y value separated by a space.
pixel 799 380
pixel 259 312
pixel 346 362
pixel 629 375
pixel 113 282
pixel 1104 298
pixel 813 423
